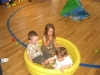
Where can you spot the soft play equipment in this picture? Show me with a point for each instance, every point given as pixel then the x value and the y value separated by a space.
pixel 36 69
pixel 75 10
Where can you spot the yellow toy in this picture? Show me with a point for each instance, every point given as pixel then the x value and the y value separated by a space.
pixel 36 69
pixel 14 4
pixel 7 5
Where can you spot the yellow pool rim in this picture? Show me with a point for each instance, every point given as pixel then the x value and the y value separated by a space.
pixel 38 70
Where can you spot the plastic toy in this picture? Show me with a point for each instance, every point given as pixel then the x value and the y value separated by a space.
pixel 7 5
pixel 16 44
pixel 75 9
pixel 96 51
pixel 14 4
pixel 36 69
pixel 11 3
pixel 13 39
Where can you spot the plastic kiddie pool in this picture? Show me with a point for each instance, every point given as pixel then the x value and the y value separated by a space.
pixel 35 69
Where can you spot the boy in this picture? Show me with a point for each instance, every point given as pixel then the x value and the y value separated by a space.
pixel 63 60
pixel 33 51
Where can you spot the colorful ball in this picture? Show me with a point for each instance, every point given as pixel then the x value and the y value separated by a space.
pixel 13 39
pixel 16 44
pixel 96 51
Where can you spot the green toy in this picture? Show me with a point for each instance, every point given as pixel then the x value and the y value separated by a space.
pixel 16 44
pixel 96 51
pixel 75 9
pixel 69 6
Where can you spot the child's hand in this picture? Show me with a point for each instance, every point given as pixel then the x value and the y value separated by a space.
pixel 45 62
pixel 62 69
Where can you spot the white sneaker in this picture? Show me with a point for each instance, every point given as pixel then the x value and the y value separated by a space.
pixel 4 60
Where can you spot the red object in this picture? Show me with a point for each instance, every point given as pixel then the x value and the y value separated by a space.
pixel 13 39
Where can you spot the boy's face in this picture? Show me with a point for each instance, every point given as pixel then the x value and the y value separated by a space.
pixel 60 58
pixel 50 32
pixel 34 40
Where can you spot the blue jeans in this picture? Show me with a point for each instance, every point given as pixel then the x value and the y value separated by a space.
pixel 0 68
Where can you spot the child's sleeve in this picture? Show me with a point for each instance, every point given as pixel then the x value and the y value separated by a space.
pixel 28 52
pixel 70 60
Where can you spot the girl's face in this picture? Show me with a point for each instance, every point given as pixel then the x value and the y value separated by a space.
pixel 50 32
pixel 34 40
pixel 60 58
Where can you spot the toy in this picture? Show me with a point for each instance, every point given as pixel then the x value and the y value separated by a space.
pixel 16 44
pixel 75 9
pixel 7 5
pixel 36 69
pixel 13 39
pixel 14 4
pixel 96 51
pixel 11 3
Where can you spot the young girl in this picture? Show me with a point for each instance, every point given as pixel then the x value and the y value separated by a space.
pixel 49 43
pixel 63 60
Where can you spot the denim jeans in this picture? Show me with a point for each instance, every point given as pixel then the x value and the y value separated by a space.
pixel 0 68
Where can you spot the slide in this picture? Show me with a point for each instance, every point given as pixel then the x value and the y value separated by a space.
pixel 74 10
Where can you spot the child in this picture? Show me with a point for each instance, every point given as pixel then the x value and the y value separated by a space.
pixel 48 40
pixel 2 60
pixel 34 53
pixel 63 60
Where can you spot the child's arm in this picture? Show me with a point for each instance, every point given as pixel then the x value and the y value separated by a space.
pixel 29 53
pixel 49 59
pixel 30 59
pixel 65 67
pixel 45 43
